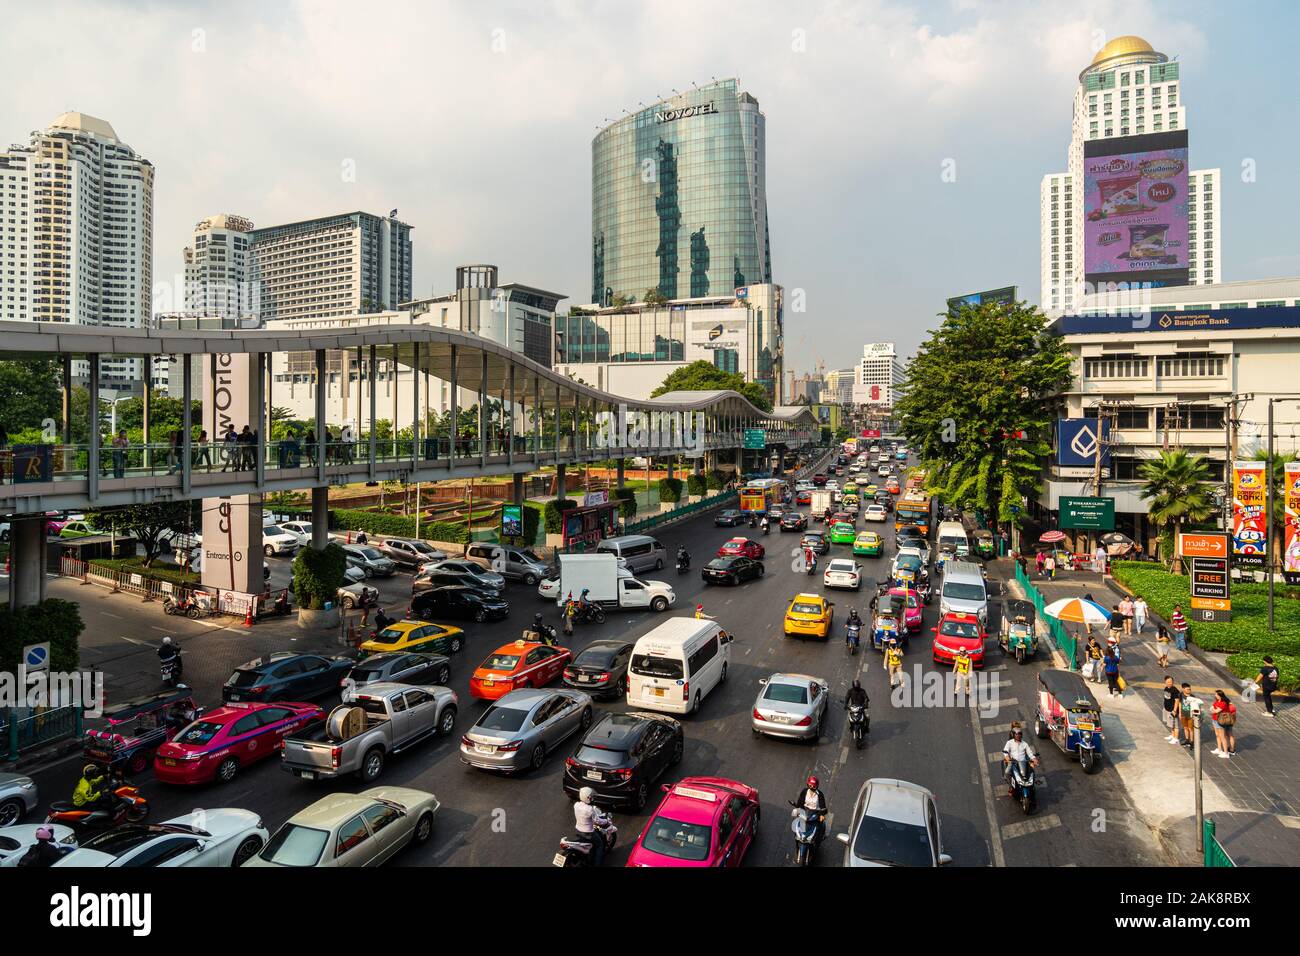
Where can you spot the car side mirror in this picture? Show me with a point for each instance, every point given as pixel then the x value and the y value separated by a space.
pixel 843 838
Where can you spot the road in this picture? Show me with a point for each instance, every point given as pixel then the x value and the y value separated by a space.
pixel 489 820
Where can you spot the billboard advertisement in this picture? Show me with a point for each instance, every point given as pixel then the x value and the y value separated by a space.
pixel 1135 209
pixel 1006 296
pixel 1077 441
pixel 1249 531
pixel 1291 539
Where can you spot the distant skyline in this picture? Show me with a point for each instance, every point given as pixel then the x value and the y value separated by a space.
pixel 475 122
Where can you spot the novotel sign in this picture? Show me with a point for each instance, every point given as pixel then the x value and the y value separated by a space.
pixel 684 112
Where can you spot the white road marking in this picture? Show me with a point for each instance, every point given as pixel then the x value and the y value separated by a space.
pixel 111 614
pixel 132 640
pixel 997 729
pixel 995 836
pixel 844 755
pixel 1031 825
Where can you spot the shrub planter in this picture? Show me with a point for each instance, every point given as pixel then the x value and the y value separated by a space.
pixel 666 506
pixel 323 620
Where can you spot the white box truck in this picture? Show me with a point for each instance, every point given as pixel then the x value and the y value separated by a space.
pixel 821 500
pixel 599 574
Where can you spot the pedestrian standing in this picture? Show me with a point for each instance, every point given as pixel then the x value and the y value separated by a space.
pixel 230 450
pixel 1094 655
pixel 174 452
pixel 1126 609
pixel 1162 645
pixel 204 457
pixel 1172 700
pixel 1267 681
pixel 1140 614
pixel 245 444
pixel 894 661
pixel 1049 565
pixel 311 446
pixel 1188 705
pixel 120 445
pixel 1110 664
pixel 1116 623
pixel 1178 624
pixel 1038 563
pixel 961 666
pixel 1224 714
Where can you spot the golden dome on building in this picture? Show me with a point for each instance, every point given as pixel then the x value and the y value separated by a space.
pixel 1122 46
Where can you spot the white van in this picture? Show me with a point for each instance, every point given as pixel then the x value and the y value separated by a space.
pixel 952 537
pixel 638 552
pixel 963 590
pixel 674 667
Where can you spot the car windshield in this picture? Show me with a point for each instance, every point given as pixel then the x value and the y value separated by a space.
pixel 960 629
pixel 910 561
pixel 363 675
pixel 681 841
pixel 420 546
pixel 389 635
pixel 800 607
pixel 893 844
pixel 645 665
pixel 502 718
pixel 721 563
pixel 963 592
pixel 786 693
pixel 842 566
pixel 501 662
pixel 272 529
pixel 199 732
pixel 294 845
pixel 595 657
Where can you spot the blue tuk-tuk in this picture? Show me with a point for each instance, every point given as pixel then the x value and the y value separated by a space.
pixel 888 622
pixel 1067 713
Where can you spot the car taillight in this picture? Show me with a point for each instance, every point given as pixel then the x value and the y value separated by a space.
pixel 257 690
pixel 622 774
pixel 335 754
pixel 570 762
pixel 686 690
pixel 757 715
pixel 601 678
pixel 805 722
pixel 507 748
pixel 570 673
pixel 466 741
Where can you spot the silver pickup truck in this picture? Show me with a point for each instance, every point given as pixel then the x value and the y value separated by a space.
pixel 372 722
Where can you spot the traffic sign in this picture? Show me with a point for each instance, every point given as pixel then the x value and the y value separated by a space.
pixel 1211 598
pixel 36 657
pixel 755 438
pixel 1201 545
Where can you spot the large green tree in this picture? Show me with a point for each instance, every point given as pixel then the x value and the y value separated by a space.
pixel 1176 487
pixel 31 393
pixel 978 405
pixel 705 376
pixel 145 522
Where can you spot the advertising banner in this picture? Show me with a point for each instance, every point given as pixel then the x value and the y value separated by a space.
pixel 1249 534
pixel 1135 209
pixel 1077 441
pixel 1291 539
pixel 1087 514
pixel 1006 296
pixel 871 433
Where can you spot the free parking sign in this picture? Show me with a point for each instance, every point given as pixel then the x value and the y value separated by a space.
pixel 37 656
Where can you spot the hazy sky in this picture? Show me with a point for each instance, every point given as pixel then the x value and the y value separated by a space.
pixel 474 120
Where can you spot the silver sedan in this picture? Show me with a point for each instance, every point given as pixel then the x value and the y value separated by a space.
pixel 17 797
pixel 791 705
pixel 519 730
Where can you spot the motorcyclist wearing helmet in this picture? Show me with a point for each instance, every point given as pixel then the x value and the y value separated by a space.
pixel 540 631
pixel 811 798
pixel 90 790
pixel 1017 749
pixel 44 852
pixel 587 821
pixel 683 556
pixel 852 622
pixel 169 653
pixel 857 696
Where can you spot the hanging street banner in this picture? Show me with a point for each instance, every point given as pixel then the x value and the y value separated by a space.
pixel 1087 514
pixel 1249 532
pixel 1291 534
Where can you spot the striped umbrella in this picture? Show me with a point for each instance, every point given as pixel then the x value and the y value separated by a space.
pixel 1077 611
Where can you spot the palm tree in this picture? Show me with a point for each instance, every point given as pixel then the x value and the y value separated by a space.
pixel 1177 486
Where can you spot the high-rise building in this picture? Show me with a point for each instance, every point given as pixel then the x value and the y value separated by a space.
pixel 879 373
pixel 839 386
pixel 336 265
pixel 1128 90
pixel 679 198
pixel 76 231
pixel 218 263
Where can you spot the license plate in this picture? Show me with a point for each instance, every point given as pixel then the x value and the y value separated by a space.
pixel 307 774
pixel 235 697
pixel 583 678
pixel 1083 726
pixel 659 691
pixel 594 775
pixel 485 748
pixel 489 683
pixel 169 761
pixel 558 859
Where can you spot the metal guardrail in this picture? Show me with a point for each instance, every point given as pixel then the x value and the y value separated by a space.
pixel 1064 640
pixel 38 729
pixel 654 521
pixel 1215 854
pixel 217 600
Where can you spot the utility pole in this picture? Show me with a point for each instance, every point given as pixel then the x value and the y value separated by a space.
pixel 1268 514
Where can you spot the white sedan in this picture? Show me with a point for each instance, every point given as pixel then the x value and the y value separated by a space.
pixel 17 840
pixel 875 513
pixel 224 837
pixel 842 573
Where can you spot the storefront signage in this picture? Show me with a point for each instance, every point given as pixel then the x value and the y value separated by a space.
pixel 1089 514
pixel 683 112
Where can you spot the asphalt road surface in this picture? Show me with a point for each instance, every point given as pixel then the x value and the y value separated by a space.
pixel 948 746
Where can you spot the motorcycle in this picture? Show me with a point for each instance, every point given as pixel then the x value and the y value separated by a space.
pixel 1023 780
pixel 576 850
pixel 683 562
pixel 593 613
pixel 182 607
pixel 543 635
pixel 767 526
pixel 171 669
pixel 808 834
pixel 123 804
pixel 859 724
pixel 853 638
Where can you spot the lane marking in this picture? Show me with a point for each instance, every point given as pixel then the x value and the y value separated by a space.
pixel 999 729
pixel 844 755
pixel 1031 825
pixel 995 835
pixel 132 640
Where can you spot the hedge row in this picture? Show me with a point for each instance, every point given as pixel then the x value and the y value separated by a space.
pixel 696 485
pixel 1247 632
pixel 396 526
pixel 53 620
pixel 670 490
pixel 1247 665
pixel 626 498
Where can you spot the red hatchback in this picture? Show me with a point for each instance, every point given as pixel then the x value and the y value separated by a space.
pixel 227 738
pixel 743 547
pixel 702 821
pixel 819 480
pixel 803 498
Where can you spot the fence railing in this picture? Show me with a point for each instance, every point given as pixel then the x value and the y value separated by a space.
pixel 1064 640
pixel 30 731
pixel 1215 854
pixel 653 521
pixel 216 600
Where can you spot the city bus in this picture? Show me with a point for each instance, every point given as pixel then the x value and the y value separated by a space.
pixel 913 508
pixel 759 495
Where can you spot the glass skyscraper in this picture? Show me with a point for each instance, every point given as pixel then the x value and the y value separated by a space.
pixel 679 198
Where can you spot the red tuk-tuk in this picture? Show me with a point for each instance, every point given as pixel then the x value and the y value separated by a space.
pixel 137 727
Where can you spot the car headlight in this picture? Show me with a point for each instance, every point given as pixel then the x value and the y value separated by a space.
pixel 28 785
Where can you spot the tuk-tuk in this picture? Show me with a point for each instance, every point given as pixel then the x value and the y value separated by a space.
pixel 137 727
pixel 985 546
pixel 1067 712
pixel 1017 637
pixel 888 622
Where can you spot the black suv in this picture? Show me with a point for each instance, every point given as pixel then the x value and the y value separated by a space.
pixel 458 602
pixel 622 756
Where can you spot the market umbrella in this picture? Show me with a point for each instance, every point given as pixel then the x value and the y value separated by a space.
pixel 1077 611
pixel 1051 537
pixel 1115 537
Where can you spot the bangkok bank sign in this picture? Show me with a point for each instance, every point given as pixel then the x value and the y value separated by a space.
pixel 684 112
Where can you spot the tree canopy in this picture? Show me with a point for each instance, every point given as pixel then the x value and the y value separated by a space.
pixel 978 405
pixel 31 393
pixel 705 376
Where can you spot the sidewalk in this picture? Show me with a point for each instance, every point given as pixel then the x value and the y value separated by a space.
pixel 1254 797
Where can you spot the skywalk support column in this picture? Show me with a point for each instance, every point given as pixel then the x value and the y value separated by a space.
pixel 27 562
pixel 320 518
pixel 232 526
pixel 622 465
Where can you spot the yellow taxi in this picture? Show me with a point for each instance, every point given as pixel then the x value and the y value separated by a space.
pixel 809 615
pixel 419 636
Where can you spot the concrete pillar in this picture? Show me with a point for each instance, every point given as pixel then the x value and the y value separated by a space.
pixel 622 465
pixel 232 529
pixel 517 488
pixel 559 481
pixel 320 518
pixel 27 561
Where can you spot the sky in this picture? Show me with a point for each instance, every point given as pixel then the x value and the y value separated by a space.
pixel 475 120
